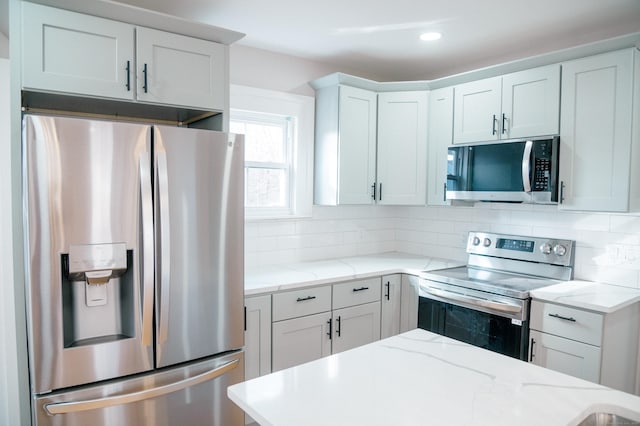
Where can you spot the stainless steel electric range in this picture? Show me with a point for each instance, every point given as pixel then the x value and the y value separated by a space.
pixel 486 303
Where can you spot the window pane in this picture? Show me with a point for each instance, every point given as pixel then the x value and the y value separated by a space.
pixel 265 142
pixel 266 188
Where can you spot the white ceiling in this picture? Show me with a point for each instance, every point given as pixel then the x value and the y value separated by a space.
pixel 380 38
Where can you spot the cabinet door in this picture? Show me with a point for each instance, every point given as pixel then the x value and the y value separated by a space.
pixel 357 145
pixel 179 70
pixel 402 148
pixel 355 326
pixel 300 340
pixel 257 337
pixel 531 103
pixel 566 356
pixel 477 111
pixel 596 132
pixel 390 310
pixel 74 53
pixel 409 303
pixel 440 137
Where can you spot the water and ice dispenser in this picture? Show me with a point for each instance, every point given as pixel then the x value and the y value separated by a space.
pixel 97 286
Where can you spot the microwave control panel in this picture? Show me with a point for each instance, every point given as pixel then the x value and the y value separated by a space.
pixel 542 154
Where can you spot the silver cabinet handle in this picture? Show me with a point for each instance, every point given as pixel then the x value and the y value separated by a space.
pixel 147 248
pixel 526 166
pixel 561 191
pixel 532 354
pixel 493 128
pixel 504 123
pixel 165 247
pixel 110 401
pixel 498 306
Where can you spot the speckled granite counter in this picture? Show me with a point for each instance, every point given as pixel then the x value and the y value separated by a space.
pixel 421 378
pixel 269 279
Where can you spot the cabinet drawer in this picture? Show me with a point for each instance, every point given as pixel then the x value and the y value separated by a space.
pixel 574 324
pixel 298 303
pixel 356 292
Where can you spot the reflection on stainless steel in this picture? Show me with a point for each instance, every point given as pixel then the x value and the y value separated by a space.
pixel 93 253
pixel 607 419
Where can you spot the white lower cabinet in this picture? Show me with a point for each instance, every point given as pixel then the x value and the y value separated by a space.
pixel 390 305
pixel 257 338
pixel 315 322
pixel 599 347
pixel 300 340
pixel 565 355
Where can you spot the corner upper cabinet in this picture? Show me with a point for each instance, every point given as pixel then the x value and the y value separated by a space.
pixel 599 133
pixel 402 148
pixel 74 53
pixel 178 70
pixel 517 105
pixel 345 145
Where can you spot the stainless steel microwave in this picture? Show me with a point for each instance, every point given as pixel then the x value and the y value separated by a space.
pixel 520 171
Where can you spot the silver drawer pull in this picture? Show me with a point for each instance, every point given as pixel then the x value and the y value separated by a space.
pixel 360 289
pixel 563 318
pixel 302 299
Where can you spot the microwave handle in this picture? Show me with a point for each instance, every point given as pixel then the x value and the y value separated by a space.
pixel 526 166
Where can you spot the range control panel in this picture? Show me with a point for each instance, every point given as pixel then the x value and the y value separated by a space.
pixel 533 249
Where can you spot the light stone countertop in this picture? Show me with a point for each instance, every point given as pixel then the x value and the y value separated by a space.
pixel 603 298
pixel 270 279
pixel 419 378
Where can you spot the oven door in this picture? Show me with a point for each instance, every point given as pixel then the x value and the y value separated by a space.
pixel 482 319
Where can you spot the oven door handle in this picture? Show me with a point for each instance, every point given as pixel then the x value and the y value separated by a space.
pixel 498 306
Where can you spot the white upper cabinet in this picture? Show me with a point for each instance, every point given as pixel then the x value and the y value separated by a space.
pixel 345 147
pixel 598 150
pixel 354 127
pixel 439 139
pixel 72 53
pixel 530 103
pixel 521 104
pixel 75 53
pixel 477 111
pixel 179 70
pixel 402 148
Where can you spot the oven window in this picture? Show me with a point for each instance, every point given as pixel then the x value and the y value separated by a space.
pixel 477 328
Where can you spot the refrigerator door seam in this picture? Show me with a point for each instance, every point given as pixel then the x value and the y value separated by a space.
pixel 99 403
pixel 165 253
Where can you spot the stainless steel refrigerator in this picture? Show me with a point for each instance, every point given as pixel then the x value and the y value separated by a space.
pixel 134 263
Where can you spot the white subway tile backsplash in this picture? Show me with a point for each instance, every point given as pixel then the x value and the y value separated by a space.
pixel 608 245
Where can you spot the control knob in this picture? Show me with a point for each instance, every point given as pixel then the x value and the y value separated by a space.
pixel 486 242
pixel 476 241
pixel 559 249
pixel 545 248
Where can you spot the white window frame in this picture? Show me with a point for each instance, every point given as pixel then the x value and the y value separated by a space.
pixel 301 109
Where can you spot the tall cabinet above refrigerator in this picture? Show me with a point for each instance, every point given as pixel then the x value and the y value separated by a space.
pixel 134 272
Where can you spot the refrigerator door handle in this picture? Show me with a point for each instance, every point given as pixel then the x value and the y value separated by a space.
pixel 147 248
pixel 165 250
pixel 110 401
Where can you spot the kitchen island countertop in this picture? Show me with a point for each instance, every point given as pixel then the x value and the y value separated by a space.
pixel 419 378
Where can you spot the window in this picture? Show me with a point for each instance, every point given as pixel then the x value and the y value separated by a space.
pixel 278 131
pixel 268 148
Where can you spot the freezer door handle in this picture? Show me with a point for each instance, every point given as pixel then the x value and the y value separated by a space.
pixel 165 250
pixel 147 248
pixel 110 401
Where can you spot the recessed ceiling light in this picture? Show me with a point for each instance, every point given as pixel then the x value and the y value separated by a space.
pixel 430 36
